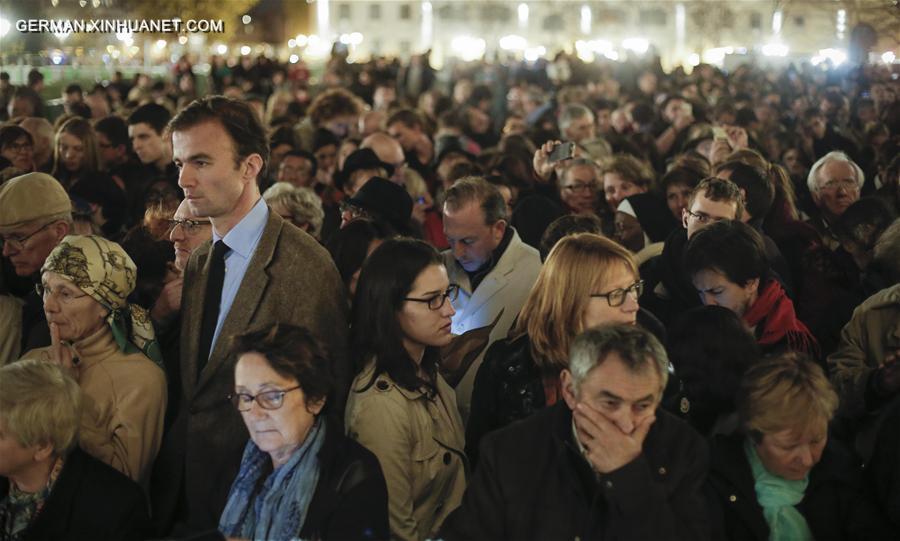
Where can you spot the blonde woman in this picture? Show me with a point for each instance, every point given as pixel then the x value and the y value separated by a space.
pixel 781 478
pixel 586 281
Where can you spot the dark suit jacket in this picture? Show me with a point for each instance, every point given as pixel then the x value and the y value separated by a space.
pixel 290 279
pixel 532 483
pixel 90 500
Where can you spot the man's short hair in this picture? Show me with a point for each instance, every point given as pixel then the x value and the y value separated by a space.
pixel 308 156
pixel 730 247
pixel 40 405
pixel 630 168
pixel 115 129
pixel 571 113
pixel 759 192
pixel 407 117
pixel 720 190
pixel 236 117
pixel 74 88
pixel 812 180
pixel 468 189
pixel 34 77
pixel 785 392
pixel 637 348
pixel 579 162
pixel 153 114
pixel 334 103
pixel 568 224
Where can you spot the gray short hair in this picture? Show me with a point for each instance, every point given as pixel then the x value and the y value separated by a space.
pixel 887 250
pixel 637 348
pixel 571 113
pixel 581 162
pixel 812 180
pixel 301 203
pixel 40 405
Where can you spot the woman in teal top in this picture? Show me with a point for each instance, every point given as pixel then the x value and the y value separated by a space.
pixel 781 478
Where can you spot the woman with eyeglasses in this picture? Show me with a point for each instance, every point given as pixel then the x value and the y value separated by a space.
pixel 587 280
pixel 300 476
pixel 109 347
pixel 399 406
pixel 16 149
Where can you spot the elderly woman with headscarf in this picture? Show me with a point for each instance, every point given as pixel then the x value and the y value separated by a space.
pixel 109 347
pixel 50 489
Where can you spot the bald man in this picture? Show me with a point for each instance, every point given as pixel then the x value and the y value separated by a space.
pixel 389 151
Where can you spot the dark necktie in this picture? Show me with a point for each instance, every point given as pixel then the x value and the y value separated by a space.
pixel 211 301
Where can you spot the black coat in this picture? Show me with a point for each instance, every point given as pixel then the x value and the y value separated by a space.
pixel 351 499
pixel 90 500
pixel 835 505
pixel 533 484
pixel 350 502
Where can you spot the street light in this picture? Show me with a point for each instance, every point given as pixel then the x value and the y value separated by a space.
pixel 4 27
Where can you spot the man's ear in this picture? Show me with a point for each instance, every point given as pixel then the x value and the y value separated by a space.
pixel 567 386
pixel 684 218
pixel 499 229
pixel 752 286
pixel 252 166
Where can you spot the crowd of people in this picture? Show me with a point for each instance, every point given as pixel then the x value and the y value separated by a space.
pixel 507 300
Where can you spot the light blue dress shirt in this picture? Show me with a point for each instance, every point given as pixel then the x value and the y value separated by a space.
pixel 242 241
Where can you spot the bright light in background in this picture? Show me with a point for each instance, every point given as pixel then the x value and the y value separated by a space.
pixel 835 56
pixel 317 47
pixel 56 56
pixel 888 57
pixel 841 25
pixel 716 55
pixel 123 36
pixel 161 44
pixel 523 15
pixel 302 40
pixel 245 50
pixel 4 26
pixel 246 19
pixel 777 18
pixel 222 49
pixel 468 48
pixel 638 45
pixel 63 35
pixel 586 49
pixel 533 53
pixel 585 20
pixel 775 49
pixel 292 43
pixel 294 59
pixel 182 39
pixel 693 59
pixel 427 25
pixel 356 38
pixel 513 43
pixel 322 16
pixel 612 55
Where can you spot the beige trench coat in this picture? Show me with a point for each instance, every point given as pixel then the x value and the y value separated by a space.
pixel 419 443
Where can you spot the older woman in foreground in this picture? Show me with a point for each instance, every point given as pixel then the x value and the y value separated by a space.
pixel 300 477
pixel 109 348
pixel 782 478
pixel 50 489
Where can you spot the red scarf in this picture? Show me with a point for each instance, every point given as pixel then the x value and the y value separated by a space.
pixel 775 312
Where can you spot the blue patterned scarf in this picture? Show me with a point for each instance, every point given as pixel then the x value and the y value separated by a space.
pixel 777 497
pixel 276 509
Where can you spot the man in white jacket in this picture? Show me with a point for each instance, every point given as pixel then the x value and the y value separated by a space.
pixel 492 266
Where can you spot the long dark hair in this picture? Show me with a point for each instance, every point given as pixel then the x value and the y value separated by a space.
pixel 386 278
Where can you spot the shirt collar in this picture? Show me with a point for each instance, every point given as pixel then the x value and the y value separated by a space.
pixel 243 237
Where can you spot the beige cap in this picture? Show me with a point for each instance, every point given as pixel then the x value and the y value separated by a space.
pixel 31 197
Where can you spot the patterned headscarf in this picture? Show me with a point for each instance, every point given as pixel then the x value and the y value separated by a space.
pixel 102 269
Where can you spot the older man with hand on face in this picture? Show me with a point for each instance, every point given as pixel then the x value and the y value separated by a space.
pixel 605 463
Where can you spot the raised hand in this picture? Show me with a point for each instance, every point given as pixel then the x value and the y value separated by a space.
pixel 607 447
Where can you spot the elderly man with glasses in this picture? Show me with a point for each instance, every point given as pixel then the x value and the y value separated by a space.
pixel 35 215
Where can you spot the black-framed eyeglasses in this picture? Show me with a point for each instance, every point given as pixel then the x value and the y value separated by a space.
pixel 268 400
pixel 703 217
pixel 617 297
pixel 18 243
pixel 190 227
pixel 436 302
pixel 62 294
